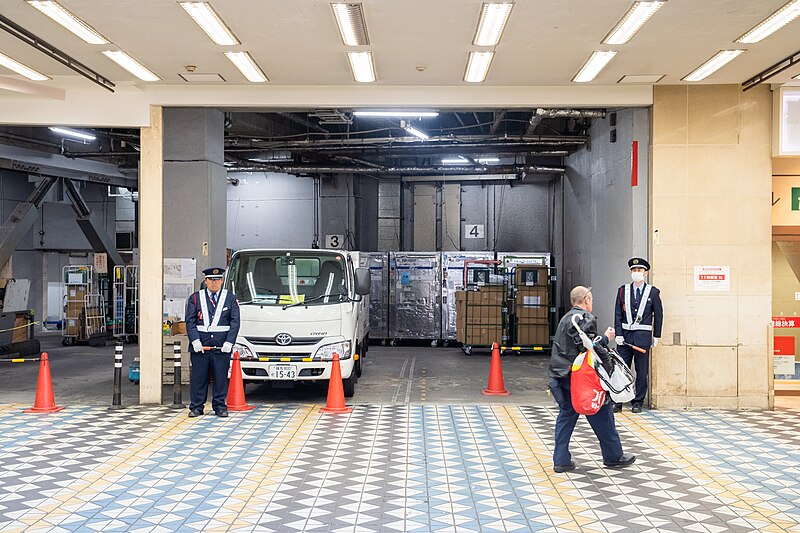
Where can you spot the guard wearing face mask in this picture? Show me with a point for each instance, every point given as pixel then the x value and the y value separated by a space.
pixel 637 321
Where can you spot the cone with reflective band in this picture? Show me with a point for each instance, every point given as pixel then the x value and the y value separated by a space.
pixel 235 399
pixel 495 386
pixel 335 403
pixel 45 402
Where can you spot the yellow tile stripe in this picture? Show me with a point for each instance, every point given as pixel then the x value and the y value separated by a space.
pixel 752 507
pixel 566 508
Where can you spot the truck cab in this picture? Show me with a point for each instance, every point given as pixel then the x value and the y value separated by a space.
pixel 298 308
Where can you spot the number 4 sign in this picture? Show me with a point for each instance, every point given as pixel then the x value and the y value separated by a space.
pixel 334 241
pixel 473 231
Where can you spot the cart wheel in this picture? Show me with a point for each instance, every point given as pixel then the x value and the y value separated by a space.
pixel 445 344
pixel 393 342
pixel 467 349
pixel 136 382
pixel 383 342
pixel 434 344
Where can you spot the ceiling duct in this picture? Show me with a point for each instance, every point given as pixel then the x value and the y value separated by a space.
pixel 405 170
pixel 542 113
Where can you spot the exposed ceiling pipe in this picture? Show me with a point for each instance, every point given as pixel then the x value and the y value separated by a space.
pixel 498 119
pixel 542 113
pixel 381 143
pixel 303 122
pixel 404 170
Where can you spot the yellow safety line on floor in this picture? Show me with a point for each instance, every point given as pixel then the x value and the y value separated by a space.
pixel 565 506
pixel 715 481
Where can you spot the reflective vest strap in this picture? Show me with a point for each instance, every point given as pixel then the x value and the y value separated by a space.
pixel 213 329
pixel 214 326
pixel 627 302
pixel 642 303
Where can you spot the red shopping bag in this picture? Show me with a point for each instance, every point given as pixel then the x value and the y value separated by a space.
pixel 587 392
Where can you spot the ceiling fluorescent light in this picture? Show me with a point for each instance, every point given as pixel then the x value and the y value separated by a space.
pixel 491 24
pixel 22 70
pixel 720 59
pixel 352 26
pixel 362 65
pixel 796 77
pixel 596 62
pixel 485 160
pixel 413 131
pixel 63 16
pixel 454 161
pixel 210 22
pixel 771 24
pixel 66 132
pixel 632 21
pixel 131 65
pixel 398 114
pixel 247 66
pixel 478 66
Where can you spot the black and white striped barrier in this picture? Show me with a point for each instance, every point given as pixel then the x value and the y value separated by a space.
pixel 177 401
pixel 116 402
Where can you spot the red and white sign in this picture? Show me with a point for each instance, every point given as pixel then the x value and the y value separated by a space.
pixel 712 278
pixel 785 322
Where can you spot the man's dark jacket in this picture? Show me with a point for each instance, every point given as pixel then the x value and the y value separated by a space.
pixel 567 342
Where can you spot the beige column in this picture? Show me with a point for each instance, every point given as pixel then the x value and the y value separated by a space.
pixel 710 206
pixel 151 284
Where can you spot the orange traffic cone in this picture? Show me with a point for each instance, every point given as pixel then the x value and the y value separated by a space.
pixel 235 399
pixel 335 402
pixel 45 402
pixel 495 386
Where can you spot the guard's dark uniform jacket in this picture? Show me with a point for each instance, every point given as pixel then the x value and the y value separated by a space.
pixel 213 325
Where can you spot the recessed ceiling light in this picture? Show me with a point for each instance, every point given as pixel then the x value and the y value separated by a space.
pixel 131 65
pixel 210 22
pixel 478 66
pixel 491 24
pixel 68 20
pixel 247 66
pixel 719 60
pixel 396 114
pixel 772 23
pixel 22 70
pixel 351 23
pixel 632 21
pixel 362 65
pixel 596 62
pixel 75 134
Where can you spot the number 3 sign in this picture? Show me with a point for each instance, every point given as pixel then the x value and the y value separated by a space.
pixel 334 241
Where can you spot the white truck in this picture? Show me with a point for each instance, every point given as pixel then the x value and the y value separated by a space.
pixel 298 308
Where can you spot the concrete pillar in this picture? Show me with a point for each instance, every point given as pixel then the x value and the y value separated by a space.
pixel 710 206
pixel 337 212
pixel 195 186
pixel 151 285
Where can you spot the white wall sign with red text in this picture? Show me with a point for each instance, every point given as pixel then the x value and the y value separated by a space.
pixel 712 278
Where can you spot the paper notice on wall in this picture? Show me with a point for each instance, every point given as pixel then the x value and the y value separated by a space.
pixel 175 309
pixel 179 269
pixel 178 291
pixel 712 278
pixel 783 365
pixel 530 301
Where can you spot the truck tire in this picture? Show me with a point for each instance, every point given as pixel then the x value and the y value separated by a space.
pixel 357 368
pixel 349 386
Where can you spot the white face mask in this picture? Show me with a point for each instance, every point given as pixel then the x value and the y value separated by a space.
pixel 637 277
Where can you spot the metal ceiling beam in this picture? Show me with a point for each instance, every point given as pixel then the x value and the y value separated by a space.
pixel 303 122
pixel 774 70
pixel 16 226
pixel 404 170
pixel 91 225
pixel 52 52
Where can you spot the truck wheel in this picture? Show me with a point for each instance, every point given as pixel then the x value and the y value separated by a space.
pixel 349 386
pixel 357 368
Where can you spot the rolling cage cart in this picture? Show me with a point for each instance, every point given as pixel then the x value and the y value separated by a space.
pixel 482 307
pixel 414 296
pixel 531 301
pixel 84 305
pixel 453 281
pixel 378 265
pixel 125 284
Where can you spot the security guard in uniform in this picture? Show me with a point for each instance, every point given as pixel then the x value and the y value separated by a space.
pixel 212 322
pixel 637 321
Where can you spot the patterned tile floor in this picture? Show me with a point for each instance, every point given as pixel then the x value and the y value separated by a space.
pixel 406 467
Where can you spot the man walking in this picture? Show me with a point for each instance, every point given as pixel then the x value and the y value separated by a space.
pixel 212 324
pixel 638 314
pixel 566 347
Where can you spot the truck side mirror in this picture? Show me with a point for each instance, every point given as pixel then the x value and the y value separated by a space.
pixel 362 281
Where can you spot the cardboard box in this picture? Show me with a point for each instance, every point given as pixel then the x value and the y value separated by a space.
pixel 21 334
pixel 481 335
pixel 533 303
pixel 532 334
pixel 179 328
pixel 531 276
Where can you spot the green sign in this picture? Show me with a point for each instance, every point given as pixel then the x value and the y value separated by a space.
pixel 795 198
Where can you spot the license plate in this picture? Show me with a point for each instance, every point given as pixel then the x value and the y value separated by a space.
pixel 282 371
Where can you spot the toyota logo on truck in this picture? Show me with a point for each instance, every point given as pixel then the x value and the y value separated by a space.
pixel 283 339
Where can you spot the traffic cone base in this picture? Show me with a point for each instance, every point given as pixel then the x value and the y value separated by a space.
pixel 335 403
pixel 45 401
pixel 235 400
pixel 495 386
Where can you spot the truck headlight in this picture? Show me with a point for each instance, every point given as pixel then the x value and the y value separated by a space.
pixel 326 352
pixel 245 353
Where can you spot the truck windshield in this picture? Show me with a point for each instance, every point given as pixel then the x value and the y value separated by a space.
pixel 285 278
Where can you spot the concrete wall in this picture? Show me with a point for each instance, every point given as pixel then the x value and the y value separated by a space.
pixel 711 157
pixel 604 217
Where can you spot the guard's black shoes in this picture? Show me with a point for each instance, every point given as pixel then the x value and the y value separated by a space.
pixel 636 409
pixel 617 407
pixel 221 412
pixel 195 412
pixel 558 469
pixel 626 460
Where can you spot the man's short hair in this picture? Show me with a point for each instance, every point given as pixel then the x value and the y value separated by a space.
pixel 579 294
